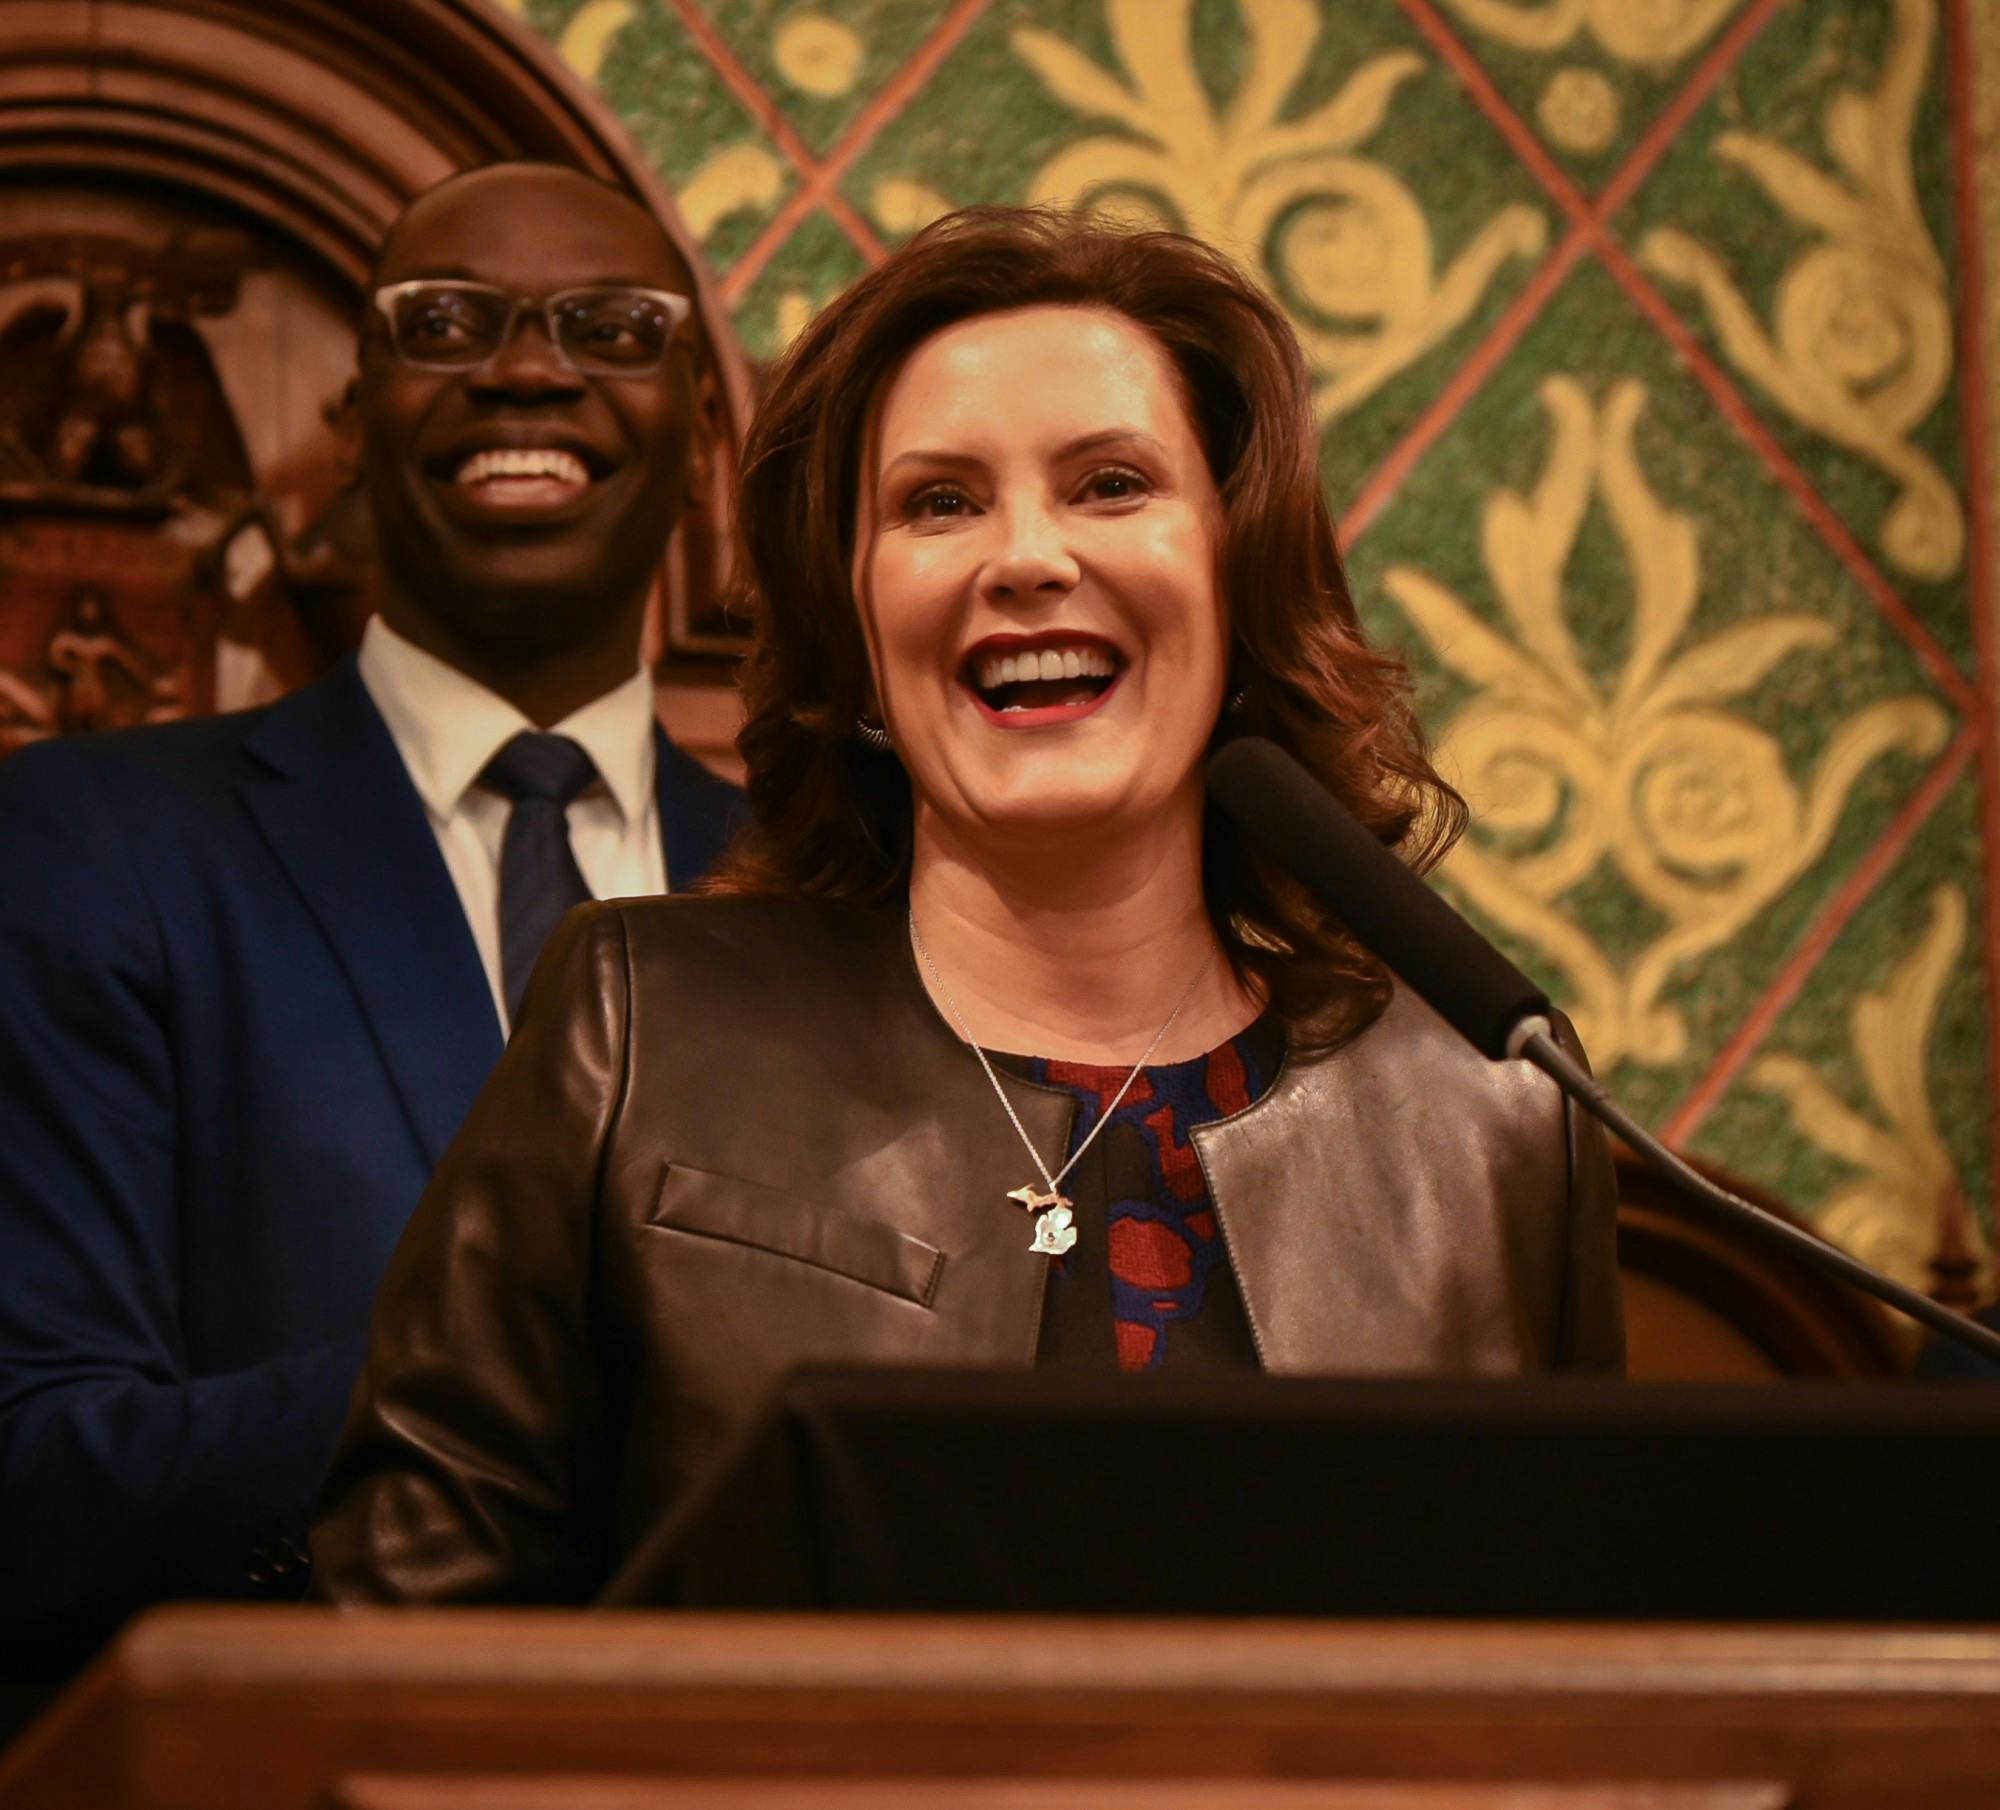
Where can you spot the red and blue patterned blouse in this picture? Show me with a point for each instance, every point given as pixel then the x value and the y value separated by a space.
pixel 1148 1282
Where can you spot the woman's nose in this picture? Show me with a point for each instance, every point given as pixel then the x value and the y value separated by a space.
pixel 1032 558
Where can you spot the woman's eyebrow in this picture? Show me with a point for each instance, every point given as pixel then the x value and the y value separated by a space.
pixel 932 460
pixel 1097 441
pixel 1111 437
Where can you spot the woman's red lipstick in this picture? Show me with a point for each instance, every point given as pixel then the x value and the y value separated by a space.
pixel 1034 681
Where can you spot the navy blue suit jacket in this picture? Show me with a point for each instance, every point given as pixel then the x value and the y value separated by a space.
pixel 241 1015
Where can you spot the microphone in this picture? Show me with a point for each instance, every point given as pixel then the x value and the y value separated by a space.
pixel 1427 945
pixel 1475 989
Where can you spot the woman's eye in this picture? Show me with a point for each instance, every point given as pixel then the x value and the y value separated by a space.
pixel 938 503
pixel 1114 485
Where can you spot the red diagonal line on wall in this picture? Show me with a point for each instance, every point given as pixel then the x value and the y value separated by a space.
pixel 741 83
pixel 1464 383
pixel 1720 58
pixel 768 114
pixel 1472 77
pixel 1587 227
pixel 1820 936
pixel 1980 551
pixel 1591 225
pixel 1591 221
pixel 1590 230
pixel 819 179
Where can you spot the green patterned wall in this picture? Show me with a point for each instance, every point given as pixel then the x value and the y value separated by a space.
pixel 1634 325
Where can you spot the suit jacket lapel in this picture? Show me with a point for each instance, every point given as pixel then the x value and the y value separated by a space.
pixel 331 796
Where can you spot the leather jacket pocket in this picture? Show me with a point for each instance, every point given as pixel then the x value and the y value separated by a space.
pixel 707 1205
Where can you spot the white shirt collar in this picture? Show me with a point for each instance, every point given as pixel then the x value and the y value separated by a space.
pixel 447 726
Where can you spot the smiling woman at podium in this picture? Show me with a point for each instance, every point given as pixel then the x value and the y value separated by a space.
pixel 996 1048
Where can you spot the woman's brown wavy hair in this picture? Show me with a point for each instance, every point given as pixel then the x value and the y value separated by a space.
pixel 833 817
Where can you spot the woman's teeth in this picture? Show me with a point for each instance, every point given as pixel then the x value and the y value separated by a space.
pixel 1048 663
pixel 1045 678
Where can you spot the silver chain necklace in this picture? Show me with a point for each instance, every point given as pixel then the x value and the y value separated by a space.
pixel 1054 1234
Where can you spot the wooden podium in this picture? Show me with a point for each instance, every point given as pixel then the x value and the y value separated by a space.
pixel 302 1709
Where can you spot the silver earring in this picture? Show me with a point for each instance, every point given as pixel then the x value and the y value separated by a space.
pixel 1237 699
pixel 873 735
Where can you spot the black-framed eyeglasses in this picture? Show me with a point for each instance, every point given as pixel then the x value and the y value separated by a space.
pixel 610 329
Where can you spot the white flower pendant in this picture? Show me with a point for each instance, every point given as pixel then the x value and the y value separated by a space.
pixel 1053 1233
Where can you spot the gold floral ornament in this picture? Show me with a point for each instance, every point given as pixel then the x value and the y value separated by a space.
pixel 1579 110
pixel 1341 239
pixel 586 40
pixel 902 205
pixel 1654 34
pixel 818 56
pixel 731 179
pixel 1907 1194
pixel 1859 347
pixel 1690 803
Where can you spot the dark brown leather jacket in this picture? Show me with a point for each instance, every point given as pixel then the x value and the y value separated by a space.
pixel 732 1136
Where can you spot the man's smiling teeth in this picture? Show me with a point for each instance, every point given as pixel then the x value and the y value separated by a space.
pixel 524 462
pixel 1048 663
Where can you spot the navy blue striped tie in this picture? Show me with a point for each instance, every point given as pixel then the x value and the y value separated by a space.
pixel 539 878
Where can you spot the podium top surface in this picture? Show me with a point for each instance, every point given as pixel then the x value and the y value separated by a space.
pixel 300 1709
pixel 224 1648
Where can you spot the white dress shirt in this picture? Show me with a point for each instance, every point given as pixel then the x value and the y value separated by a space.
pixel 447 727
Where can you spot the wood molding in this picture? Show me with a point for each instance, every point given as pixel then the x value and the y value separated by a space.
pixel 440 1710
pixel 580 1791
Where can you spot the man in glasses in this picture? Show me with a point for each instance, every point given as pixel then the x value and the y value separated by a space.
pixel 253 969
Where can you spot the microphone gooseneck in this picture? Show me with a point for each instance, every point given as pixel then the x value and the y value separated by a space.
pixel 1441 958
pixel 1547 1055
pixel 1434 951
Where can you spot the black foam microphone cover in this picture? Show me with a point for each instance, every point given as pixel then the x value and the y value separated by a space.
pixel 1424 942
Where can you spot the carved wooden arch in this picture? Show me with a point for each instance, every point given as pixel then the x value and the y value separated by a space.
pixel 308 126
pixel 1706 1301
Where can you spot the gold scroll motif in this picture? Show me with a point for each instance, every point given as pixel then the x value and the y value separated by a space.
pixel 728 180
pixel 587 38
pixel 1578 109
pixel 1654 34
pixel 1690 803
pixel 1339 239
pixel 1893 1215
pixel 1859 347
